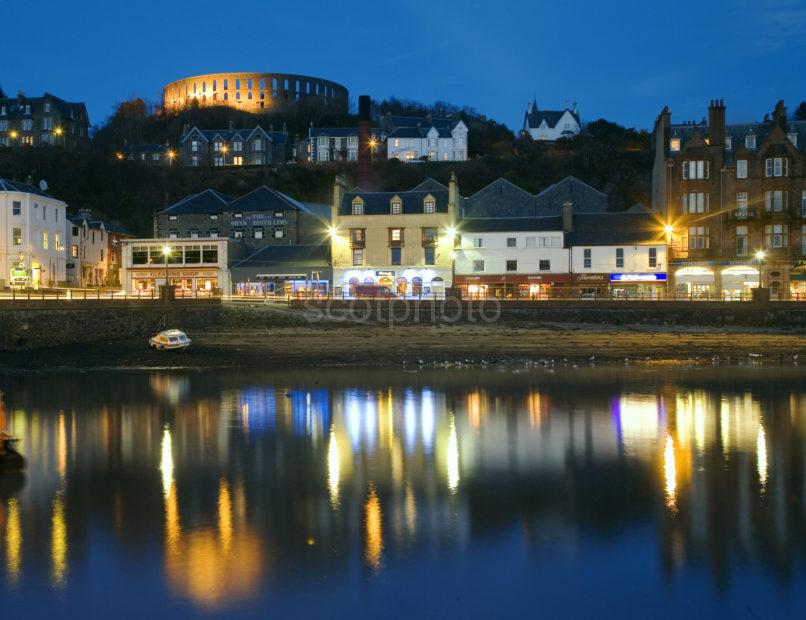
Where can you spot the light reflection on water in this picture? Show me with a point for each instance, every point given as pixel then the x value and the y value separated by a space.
pixel 232 493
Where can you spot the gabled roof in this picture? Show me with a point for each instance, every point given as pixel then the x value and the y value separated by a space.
pixel 429 185
pixel 424 121
pixel 535 117
pixel 80 219
pixel 16 186
pixel 511 224
pixel 261 199
pixel 208 201
pixel 244 134
pixel 583 197
pixel 616 229
pixel 338 132
pixel 144 148
pixel 284 257
pixel 15 106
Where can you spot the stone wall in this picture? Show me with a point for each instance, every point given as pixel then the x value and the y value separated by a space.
pixel 26 325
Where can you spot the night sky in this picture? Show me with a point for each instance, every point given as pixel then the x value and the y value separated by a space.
pixel 621 60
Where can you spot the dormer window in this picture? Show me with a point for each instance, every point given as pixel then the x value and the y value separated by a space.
pixel 750 141
pixel 793 138
pixel 358 208
pixel 429 206
pixel 216 146
pixel 674 144
pixel 397 207
pixel 237 216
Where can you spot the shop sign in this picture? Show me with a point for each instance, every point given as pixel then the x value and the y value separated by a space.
pixel 638 277
pixel 692 263
pixel 591 277
pixel 385 274
pixel 19 273
pixel 258 220
pixel 174 273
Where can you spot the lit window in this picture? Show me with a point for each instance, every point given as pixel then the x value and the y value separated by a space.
pixel 397 208
pixel 16 234
pixel 430 207
pixel 674 144
pixel 358 208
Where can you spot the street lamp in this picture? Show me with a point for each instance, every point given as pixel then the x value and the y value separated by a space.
pixel 760 256
pixel 166 252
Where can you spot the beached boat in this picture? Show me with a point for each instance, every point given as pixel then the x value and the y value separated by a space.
pixel 169 340
pixel 10 459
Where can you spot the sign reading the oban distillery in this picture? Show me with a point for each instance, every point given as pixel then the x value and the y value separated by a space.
pixel 259 219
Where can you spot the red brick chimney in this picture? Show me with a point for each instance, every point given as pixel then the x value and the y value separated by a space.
pixel 364 146
pixel 716 122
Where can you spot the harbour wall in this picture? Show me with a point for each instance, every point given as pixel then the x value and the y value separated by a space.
pixel 27 325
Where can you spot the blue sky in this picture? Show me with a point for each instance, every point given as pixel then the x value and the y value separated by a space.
pixel 622 59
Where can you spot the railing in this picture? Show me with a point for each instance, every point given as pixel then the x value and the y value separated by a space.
pixel 95 294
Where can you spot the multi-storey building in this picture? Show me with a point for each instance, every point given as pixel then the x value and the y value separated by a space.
pixel 94 255
pixel 402 242
pixel 260 218
pixel 234 147
pixel 42 121
pixel 734 198
pixel 411 138
pixel 33 225
pixel 551 125
pixel 334 144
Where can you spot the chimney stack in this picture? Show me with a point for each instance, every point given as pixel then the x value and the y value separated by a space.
pixel 779 115
pixel 716 122
pixel 339 190
pixel 364 138
pixel 231 125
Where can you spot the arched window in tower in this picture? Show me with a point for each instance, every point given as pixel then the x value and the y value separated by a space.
pixel 286 85
pixel 204 86
pixel 249 83
pixel 226 83
pixel 262 84
pixel 237 83
pixel 214 85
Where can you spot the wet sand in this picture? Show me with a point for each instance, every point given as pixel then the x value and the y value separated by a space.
pixel 372 346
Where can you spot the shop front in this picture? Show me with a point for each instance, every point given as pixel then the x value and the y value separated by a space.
pixel 695 282
pixel 516 286
pixel 589 285
pixel 411 283
pixel 738 282
pixel 283 285
pixel 187 282
pixel 637 285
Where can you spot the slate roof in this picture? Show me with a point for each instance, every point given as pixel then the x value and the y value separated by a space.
pixel 552 117
pixel 510 224
pixel 228 135
pixel 112 228
pixel 15 106
pixel 16 186
pixel 283 257
pixel 338 132
pixel 206 202
pixel 415 121
pixel 737 133
pixel 420 132
pixel 144 148
pixel 379 203
pixel 261 199
pixel 615 229
pixel 505 199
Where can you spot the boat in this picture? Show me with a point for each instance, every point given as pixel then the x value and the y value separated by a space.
pixel 169 340
pixel 10 459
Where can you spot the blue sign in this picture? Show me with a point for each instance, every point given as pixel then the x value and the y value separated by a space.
pixel 638 277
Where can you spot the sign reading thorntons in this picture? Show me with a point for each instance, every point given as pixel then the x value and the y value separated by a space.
pixel 638 277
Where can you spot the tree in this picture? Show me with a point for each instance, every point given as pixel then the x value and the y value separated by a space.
pixel 2 93
pixel 800 112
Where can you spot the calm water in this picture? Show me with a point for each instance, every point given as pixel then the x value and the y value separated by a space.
pixel 607 492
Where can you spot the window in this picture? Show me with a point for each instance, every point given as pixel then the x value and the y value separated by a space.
pixel 16 206
pixel 209 253
pixel 742 248
pixel 237 216
pixel 74 253
pixel 478 242
pixel 512 242
pixel 531 242
pixel 397 208
pixel 257 145
pixel 357 237
pixel 430 255
pixel 728 143
pixel 695 202
pixel 478 265
pixel 213 233
pixel 395 258
pixel 173 234
pixel 257 232
pixel 193 233
pixel 699 169
pixel 775 201
pixel 776 167
pixel 741 205
pixel 237 146
pixel 429 236
pixel 544 265
pixel 172 218
pixel 653 258
pixel 217 146
pixel 512 265
pixel 45 239
pixel 194 146
pixel 619 258
pixel 698 238
pixel 587 260
pixel 194 160
pixel 237 233
pixel 139 254
pixel 674 144
pixel 192 254
pixel 429 206
pixel 237 160
pixel 775 236
pixel 358 257
pixel 16 234
pixel 358 208
pixel 803 204
pixel 750 141
pixel 27 124
pixel 279 232
pixel 395 236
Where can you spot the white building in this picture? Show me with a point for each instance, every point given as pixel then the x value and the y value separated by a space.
pixel 412 138
pixel 335 144
pixel 511 258
pixel 551 124
pixel 89 252
pixel 33 227
pixel 194 266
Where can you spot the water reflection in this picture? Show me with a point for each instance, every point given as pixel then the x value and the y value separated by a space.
pixel 241 488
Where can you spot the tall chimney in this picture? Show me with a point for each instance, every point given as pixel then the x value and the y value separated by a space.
pixel 568 216
pixel 779 116
pixel 716 122
pixel 364 147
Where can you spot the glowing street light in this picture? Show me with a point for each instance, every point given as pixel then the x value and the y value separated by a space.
pixel 119 156
pixel 333 231
pixel 58 131
pixel 13 134
pixel 166 252
pixel 761 255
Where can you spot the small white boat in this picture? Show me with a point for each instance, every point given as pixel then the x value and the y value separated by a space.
pixel 169 340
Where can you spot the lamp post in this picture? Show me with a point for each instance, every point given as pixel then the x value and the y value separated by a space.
pixel 760 256
pixel 166 252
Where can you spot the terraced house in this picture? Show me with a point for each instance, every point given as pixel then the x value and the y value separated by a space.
pixel 42 121
pixel 734 197
pixel 233 147
pixel 399 242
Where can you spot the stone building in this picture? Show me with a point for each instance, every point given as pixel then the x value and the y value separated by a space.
pixel 397 241
pixel 148 154
pixel 42 121
pixel 551 125
pixel 325 144
pixel 734 198
pixel 413 138
pixel 260 218
pixel 254 92
pixel 234 147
